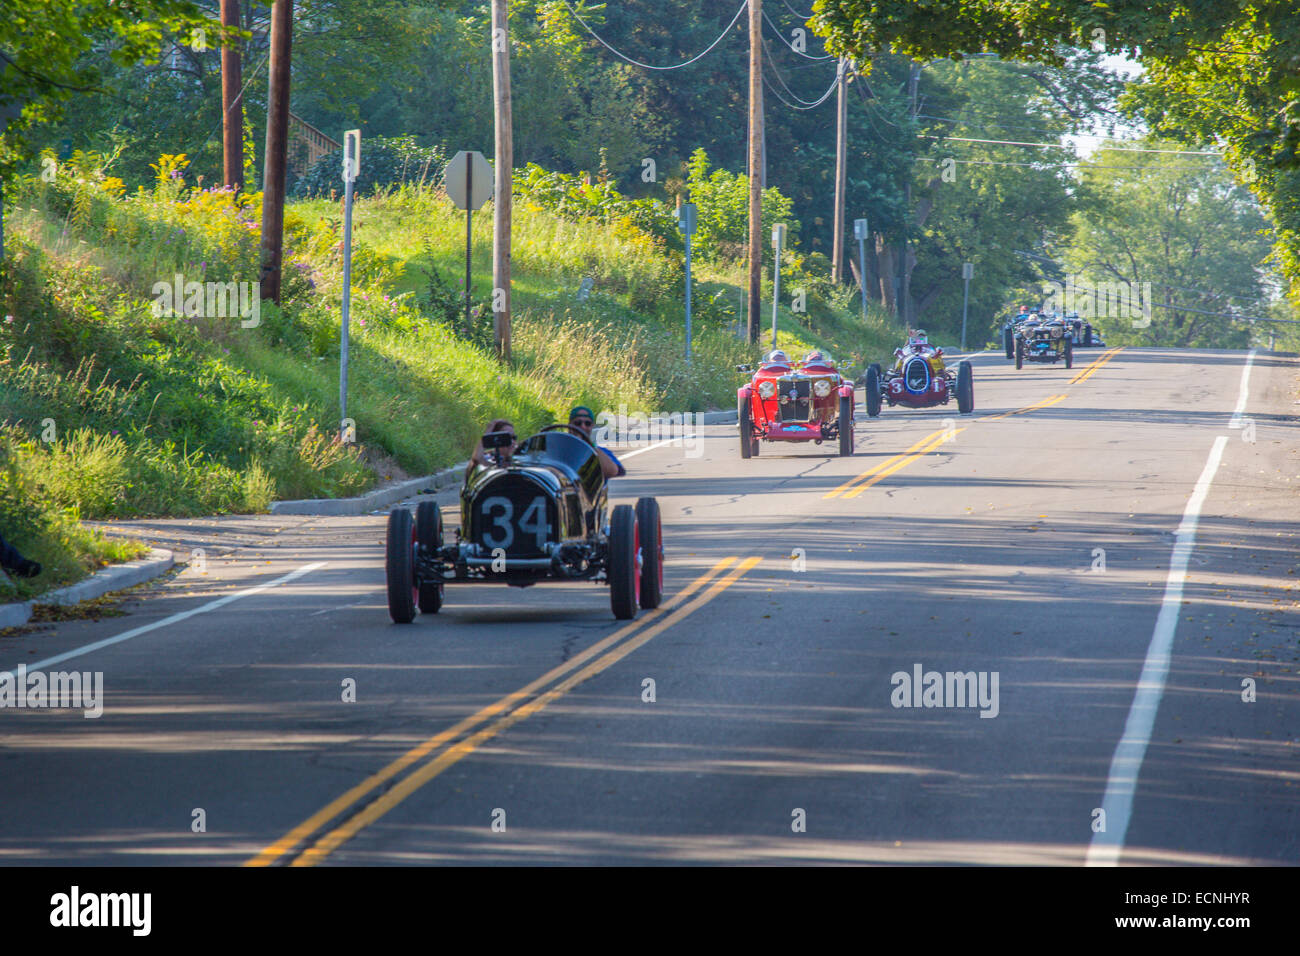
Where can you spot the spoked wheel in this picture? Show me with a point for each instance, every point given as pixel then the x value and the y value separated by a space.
pixel 746 429
pixel 650 533
pixel 399 566
pixel 965 388
pixel 1009 340
pixel 1069 354
pixel 428 534
pixel 1020 353
pixel 872 387
pixel 846 427
pixel 624 571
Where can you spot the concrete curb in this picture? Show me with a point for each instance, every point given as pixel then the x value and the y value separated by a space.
pixel 115 578
pixel 371 501
pixel 383 497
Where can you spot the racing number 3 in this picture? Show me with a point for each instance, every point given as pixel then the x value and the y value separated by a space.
pixel 499 530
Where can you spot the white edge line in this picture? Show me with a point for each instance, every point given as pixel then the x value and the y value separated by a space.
pixel 1244 393
pixel 658 444
pixel 1126 764
pixel 173 619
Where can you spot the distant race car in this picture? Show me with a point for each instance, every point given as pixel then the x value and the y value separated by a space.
pixel 794 402
pixel 538 514
pixel 1081 331
pixel 919 379
pixel 1042 338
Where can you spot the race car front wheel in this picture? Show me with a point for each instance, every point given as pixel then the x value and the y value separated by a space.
pixel 399 566
pixel 428 533
pixel 965 388
pixel 1069 354
pixel 846 427
pixel 746 429
pixel 872 388
pixel 1009 340
pixel 1020 353
pixel 650 533
pixel 622 571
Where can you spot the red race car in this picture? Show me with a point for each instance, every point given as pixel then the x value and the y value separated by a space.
pixel 919 379
pixel 795 401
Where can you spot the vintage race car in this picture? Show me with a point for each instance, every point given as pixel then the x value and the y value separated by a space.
pixel 919 379
pixel 794 402
pixel 1080 330
pixel 1043 338
pixel 539 514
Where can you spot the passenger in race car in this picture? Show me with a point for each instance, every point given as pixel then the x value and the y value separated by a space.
pixel 480 456
pixel 582 419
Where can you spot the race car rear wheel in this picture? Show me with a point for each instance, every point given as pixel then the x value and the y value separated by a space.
pixel 399 566
pixel 1020 353
pixel 1009 340
pixel 428 534
pixel 624 575
pixel 872 388
pixel 846 427
pixel 650 533
pixel 965 388
pixel 1069 354
pixel 1087 333
pixel 746 429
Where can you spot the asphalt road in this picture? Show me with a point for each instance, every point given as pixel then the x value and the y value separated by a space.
pixel 1032 541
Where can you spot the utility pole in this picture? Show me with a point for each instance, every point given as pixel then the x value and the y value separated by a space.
pixel 275 164
pixel 841 150
pixel 503 176
pixel 755 167
pixel 904 269
pixel 232 103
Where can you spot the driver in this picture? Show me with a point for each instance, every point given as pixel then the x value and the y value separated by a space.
pixel 582 419
pixel 776 357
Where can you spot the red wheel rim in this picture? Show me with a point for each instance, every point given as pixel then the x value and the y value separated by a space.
pixel 415 550
pixel 636 550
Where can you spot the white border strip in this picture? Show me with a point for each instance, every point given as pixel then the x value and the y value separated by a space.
pixel 1244 393
pixel 1126 764
pixel 174 618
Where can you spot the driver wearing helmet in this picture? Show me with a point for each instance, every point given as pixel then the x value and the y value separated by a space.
pixel 776 357
pixel 816 357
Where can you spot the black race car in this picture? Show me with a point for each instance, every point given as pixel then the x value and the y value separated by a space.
pixel 1042 338
pixel 539 514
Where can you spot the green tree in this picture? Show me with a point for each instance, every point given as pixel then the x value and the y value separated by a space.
pixel 1186 229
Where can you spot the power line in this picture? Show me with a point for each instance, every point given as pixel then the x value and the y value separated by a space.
pixel 1163 285
pixel 808 104
pixel 647 66
pixel 1115 149
pixel 771 24
pixel 989 162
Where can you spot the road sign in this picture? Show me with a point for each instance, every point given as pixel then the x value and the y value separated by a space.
pixel 468 180
pixel 778 235
pixel 859 229
pixel 351 155
pixel 968 270
pixel 686 218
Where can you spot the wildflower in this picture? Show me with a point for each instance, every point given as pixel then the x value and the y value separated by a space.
pixel 9 320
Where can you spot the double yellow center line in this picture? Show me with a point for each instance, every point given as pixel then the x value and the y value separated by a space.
pixel 1084 374
pixel 350 812
pixel 852 488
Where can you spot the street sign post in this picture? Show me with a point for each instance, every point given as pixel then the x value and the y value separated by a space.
pixel 351 166
pixel 686 223
pixel 860 233
pixel 967 273
pixel 778 243
pixel 468 181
